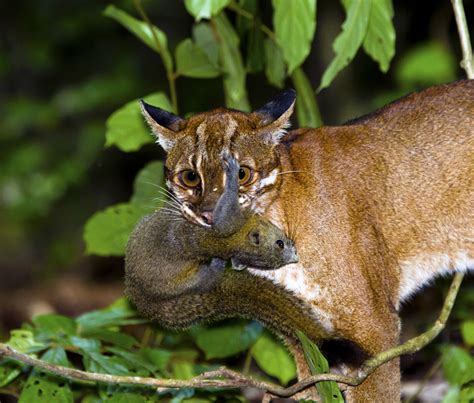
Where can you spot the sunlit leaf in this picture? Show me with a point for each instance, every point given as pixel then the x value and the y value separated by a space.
pixel 272 357
pixel 24 341
pixel 379 41
pixel 467 331
pixel 307 111
pixel 227 340
pixel 275 68
pixel 142 31
pixel 205 8
pixel 231 62
pixel 349 40
pixel 426 64
pixel 146 187
pixel 126 127
pixel 106 233
pixel 328 390
pixel 295 25
pixel 458 365
pixel 9 371
pixel 41 387
pixel 192 61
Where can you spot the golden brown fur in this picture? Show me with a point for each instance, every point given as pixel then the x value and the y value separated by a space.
pixel 380 206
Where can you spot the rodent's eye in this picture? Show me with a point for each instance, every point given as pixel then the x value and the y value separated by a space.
pixel 280 244
pixel 189 178
pixel 245 175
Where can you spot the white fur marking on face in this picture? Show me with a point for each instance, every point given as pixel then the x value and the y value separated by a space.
pixel 419 271
pixel 269 180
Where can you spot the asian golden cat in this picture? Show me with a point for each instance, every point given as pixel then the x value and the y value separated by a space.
pixel 379 206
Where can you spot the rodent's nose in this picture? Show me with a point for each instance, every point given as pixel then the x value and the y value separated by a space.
pixel 207 216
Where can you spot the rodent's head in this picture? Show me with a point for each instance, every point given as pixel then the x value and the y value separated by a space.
pixel 262 245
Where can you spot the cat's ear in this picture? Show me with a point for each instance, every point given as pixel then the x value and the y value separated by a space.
pixel 164 125
pixel 275 115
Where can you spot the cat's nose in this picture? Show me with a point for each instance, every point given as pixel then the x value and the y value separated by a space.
pixel 207 216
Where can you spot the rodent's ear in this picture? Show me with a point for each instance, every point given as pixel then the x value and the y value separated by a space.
pixel 275 115
pixel 164 125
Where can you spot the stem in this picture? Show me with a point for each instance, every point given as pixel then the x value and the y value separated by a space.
pixel 234 379
pixel 467 63
pixel 244 13
pixel 170 74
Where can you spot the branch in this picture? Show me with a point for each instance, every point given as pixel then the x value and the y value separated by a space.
pixel 467 63
pixel 234 379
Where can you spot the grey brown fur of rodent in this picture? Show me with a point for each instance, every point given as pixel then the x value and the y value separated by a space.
pixel 176 274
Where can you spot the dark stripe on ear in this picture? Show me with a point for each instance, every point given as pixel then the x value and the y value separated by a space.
pixel 160 116
pixel 278 105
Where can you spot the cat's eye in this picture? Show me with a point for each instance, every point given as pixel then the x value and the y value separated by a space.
pixel 245 175
pixel 189 178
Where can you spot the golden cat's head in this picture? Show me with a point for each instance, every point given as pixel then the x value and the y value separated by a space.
pixel 194 147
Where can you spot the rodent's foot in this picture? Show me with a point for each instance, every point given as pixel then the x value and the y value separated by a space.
pixel 230 164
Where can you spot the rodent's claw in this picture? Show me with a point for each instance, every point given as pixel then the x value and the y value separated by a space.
pixel 229 163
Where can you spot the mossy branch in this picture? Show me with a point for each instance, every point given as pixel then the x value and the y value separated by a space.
pixel 234 379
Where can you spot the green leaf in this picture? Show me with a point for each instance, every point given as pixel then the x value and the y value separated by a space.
pixel 379 42
pixel 295 25
pixel 205 8
pixel 96 362
pixel 192 61
pixel 158 357
pixel 41 387
pixel 142 31
pixel 227 340
pixel 244 24
pixel 275 68
pixel 54 325
pixel 255 50
pixel 328 390
pixel 146 187
pixel 232 65
pixel 24 341
pixel 114 337
pixel 106 232
pixel 134 359
pixel 427 64
pixel 272 357
pixel 117 314
pixel 124 397
pixel 458 365
pixel 85 344
pixel 182 369
pixel 349 40
pixel 467 331
pixel 307 110
pixel 452 395
pixel 9 371
pixel 207 42
pixel 467 394
pixel 126 127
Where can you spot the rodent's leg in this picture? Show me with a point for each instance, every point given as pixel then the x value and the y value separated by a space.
pixel 209 275
pixel 228 217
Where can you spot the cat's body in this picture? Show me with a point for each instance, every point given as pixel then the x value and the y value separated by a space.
pixel 381 205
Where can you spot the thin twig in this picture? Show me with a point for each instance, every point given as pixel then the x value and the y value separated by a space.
pixel 234 379
pixel 467 63
pixel 170 74
pixel 244 13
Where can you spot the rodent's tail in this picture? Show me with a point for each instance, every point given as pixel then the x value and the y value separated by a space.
pixel 239 293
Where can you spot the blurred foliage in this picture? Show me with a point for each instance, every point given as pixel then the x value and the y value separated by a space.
pixel 78 68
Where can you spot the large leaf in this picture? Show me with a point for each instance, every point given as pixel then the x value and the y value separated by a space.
pixel 54 325
pixel 295 25
pixel 96 362
pixel 307 110
pixel 146 187
pixel 349 40
pixel 227 340
pixel 426 64
pixel 207 41
pixel 192 61
pixel 328 390
pixel 106 233
pixel 458 365
pixel 231 63
pixel 255 50
pixel 126 127
pixel 205 8
pixel 142 31
pixel 379 41
pixel 272 357
pixel 41 387
pixel 275 68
